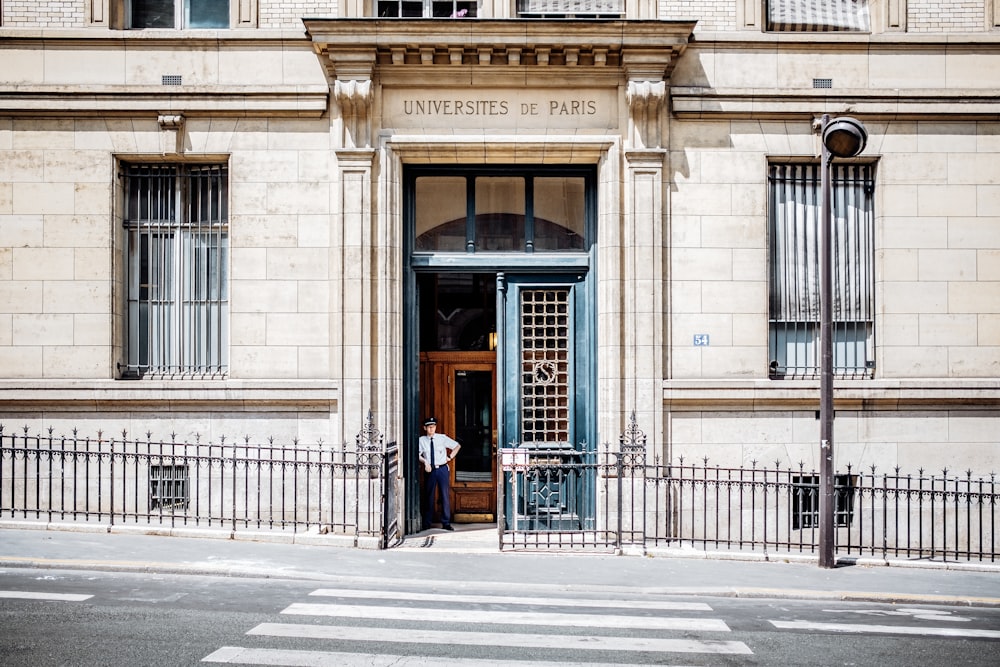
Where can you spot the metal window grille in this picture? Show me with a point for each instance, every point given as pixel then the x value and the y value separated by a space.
pixel 794 274
pixel 805 500
pixel 427 8
pixel 176 263
pixel 818 15
pixel 168 487
pixel 545 381
pixel 570 8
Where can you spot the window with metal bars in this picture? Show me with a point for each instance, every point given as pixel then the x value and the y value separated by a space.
pixel 589 9
pixel 818 15
pixel 805 500
pixel 176 270
pixel 168 487
pixel 794 272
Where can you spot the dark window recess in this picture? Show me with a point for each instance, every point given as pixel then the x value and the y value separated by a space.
pixel 168 487
pixel 805 500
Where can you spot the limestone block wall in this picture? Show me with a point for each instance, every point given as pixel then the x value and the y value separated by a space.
pixel 910 439
pixel 937 245
pixel 939 249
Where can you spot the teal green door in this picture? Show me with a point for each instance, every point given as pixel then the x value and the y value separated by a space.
pixel 547 399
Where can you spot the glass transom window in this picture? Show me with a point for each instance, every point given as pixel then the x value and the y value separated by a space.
pixel 501 212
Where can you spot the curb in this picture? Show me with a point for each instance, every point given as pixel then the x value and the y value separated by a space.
pixel 309 538
pixel 809 559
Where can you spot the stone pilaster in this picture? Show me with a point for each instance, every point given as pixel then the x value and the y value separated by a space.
pixel 644 282
pixel 353 311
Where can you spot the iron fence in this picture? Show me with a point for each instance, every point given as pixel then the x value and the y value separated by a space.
pixel 940 517
pixel 238 486
pixel 550 497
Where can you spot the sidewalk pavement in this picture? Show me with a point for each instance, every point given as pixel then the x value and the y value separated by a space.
pixel 470 558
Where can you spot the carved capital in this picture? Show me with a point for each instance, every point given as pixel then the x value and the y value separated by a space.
pixel 355 100
pixel 645 102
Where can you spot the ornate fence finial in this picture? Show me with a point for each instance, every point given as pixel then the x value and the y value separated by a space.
pixel 632 444
pixel 369 441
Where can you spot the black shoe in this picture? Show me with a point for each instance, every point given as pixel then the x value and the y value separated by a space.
pixel 449 527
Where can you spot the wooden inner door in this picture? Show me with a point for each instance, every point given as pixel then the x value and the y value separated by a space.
pixel 459 389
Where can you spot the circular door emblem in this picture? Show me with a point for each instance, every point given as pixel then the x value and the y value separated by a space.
pixel 545 372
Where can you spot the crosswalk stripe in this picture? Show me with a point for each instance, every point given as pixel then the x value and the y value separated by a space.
pixel 507 617
pixel 294 658
pixel 498 639
pixel 665 605
pixel 57 597
pixel 887 629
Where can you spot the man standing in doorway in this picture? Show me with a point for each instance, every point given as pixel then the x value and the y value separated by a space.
pixel 434 454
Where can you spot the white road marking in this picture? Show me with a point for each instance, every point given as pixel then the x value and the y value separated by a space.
pixel 57 597
pixel 498 639
pixel 292 658
pixel 919 614
pixel 887 629
pixel 507 617
pixel 666 605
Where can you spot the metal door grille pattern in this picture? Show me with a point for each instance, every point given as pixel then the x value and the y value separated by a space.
pixel 545 380
pixel 176 251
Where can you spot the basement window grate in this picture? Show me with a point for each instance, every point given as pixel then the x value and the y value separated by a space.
pixel 168 487
pixel 822 83
pixel 172 79
pixel 805 500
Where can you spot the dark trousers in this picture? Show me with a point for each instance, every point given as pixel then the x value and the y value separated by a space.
pixel 438 479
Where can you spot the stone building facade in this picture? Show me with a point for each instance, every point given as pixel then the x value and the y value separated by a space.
pixel 531 219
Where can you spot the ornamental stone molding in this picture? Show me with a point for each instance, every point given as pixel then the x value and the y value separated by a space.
pixel 362 55
pixel 355 100
pixel 172 133
pixel 645 102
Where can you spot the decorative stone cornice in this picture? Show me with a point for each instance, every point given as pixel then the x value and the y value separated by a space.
pixel 547 52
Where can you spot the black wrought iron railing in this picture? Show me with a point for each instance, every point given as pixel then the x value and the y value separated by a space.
pixel 558 497
pixel 645 503
pixel 237 486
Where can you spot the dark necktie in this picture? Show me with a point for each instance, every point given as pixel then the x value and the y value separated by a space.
pixel 432 454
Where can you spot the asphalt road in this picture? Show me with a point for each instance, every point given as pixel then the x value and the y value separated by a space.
pixel 80 617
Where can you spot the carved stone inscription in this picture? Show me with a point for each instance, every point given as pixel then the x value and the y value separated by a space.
pixel 512 109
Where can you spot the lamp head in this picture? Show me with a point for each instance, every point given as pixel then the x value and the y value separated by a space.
pixel 845 137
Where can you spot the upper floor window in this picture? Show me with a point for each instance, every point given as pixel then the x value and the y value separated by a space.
pixel 178 13
pixel 570 8
pixel 818 15
pixel 428 8
pixel 794 215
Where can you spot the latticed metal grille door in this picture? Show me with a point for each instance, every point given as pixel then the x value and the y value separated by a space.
pixel 545 365
pixel 545 369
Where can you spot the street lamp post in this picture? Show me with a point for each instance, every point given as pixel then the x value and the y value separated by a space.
pixel 841 137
